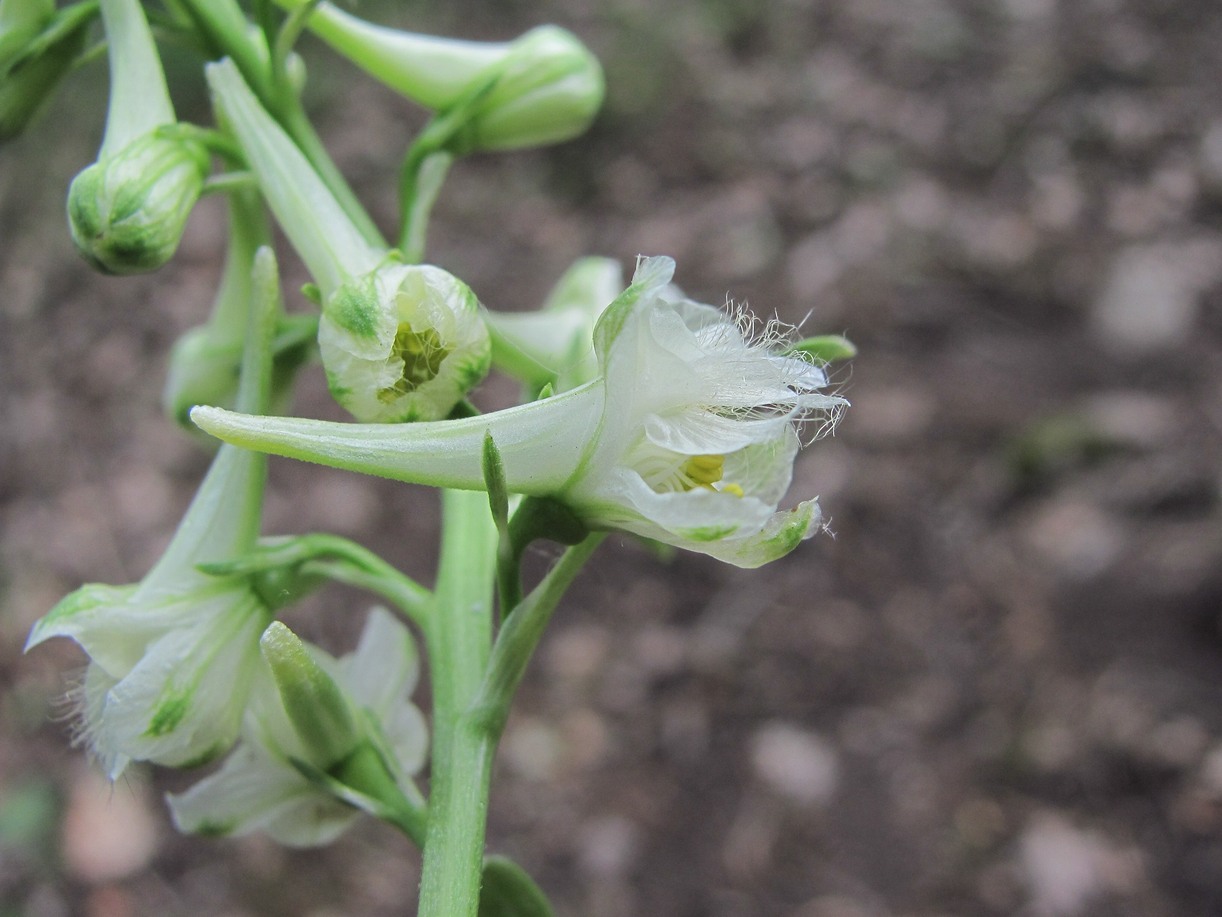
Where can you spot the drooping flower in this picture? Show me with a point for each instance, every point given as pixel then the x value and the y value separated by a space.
pixel 171 658
pixel 398 341
pixel 688 436
pixel 260 788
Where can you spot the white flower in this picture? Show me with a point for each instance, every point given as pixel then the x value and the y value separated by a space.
pixel 172 657
pixel 167 675
pixel 688 436
pixel 258 788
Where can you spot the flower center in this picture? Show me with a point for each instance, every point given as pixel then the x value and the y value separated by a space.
pixel 671 473
pixel 421 353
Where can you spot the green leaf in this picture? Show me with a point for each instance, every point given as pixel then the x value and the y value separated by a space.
pixel 509 892
pixel 826 348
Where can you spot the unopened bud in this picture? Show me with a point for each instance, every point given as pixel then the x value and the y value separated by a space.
pixel 316 706
pixel 127 211
pixel 547 89
pixel 543 87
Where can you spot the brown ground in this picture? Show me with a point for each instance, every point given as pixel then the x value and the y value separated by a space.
pixel 997 690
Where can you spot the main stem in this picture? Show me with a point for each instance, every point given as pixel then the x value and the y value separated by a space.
pixel 459 636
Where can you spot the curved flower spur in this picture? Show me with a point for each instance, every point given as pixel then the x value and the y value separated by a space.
pixel 688 435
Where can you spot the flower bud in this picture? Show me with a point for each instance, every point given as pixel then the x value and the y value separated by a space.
pixel 127 211
pixel 404 342
pixel 317 708
pixel 542 88
pixel 547 89
pixel 554 345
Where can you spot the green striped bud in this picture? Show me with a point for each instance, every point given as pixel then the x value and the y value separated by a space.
pixel 127 211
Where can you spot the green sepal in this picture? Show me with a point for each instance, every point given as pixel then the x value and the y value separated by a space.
pixel 824 349
pixel 508 891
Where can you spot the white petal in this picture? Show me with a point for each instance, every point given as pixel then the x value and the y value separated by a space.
pixel 783 532
pixel 313 820
pixel 764 470
pixel 677 518
pixel 654 272
pixel 183 701
pixel 385 665
pixel 255 791
pixel 699 432
pixel 407 733
pixel 247 791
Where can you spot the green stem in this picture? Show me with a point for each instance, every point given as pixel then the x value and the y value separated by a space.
pixel 139 98
pixel 419 186
pixel 459 640
pixel 397 590
pixel 224 27
pixel 292 118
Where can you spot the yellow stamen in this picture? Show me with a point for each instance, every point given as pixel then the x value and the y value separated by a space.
pixel 732 489
pixel 704 470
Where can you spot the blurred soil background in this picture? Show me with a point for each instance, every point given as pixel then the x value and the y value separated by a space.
pixel 996 690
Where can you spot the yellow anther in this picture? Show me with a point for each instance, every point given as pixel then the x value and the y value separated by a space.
pixel 731 489
pixel 704 470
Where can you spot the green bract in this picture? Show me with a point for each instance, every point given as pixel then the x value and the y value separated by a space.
pixel 263 785
pixel 688 436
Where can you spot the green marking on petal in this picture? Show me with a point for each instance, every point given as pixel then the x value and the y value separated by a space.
pixel 709 532
pixel 169 713
pixel 354 309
